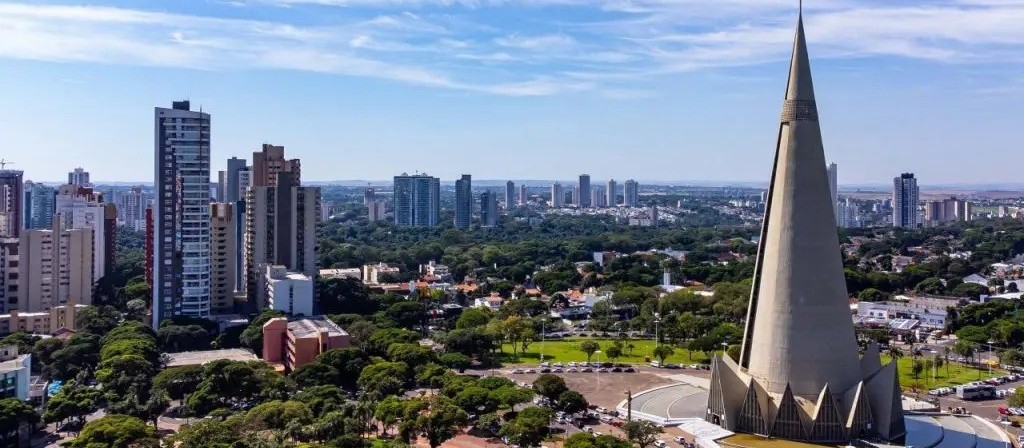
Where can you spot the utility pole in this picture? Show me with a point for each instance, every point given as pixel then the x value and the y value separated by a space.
pixel 629 405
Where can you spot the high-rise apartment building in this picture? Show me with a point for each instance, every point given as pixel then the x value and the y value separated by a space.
pixel 280 230
pixel 54 268
pixel 369 195
pixel 223 257
pixel 131 208
pixel 833 187
pixel 463 202
pixel 522 195
pixel 510 195
pixel 488 209
pixel 612 193
pixel 631 193
pixel 417 200
pixel 244 181
pixel 181 213
pixel 79 177
pixel 220 193
pixel 231 189
pixel 12 197
pixel 268 162
pixel 904 201
pixel 376 210
pixel 80 207
pixel 947 210
pixel 8 283
pixel 39 204
pixel 557 195
pixel 584 191
pixel 597 197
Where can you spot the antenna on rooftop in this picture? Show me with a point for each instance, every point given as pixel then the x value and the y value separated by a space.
pixel 4 163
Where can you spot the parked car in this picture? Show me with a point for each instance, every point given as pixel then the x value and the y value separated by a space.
pixel 660 443
pixel 517 371
pixel 629 369
pixel 679 439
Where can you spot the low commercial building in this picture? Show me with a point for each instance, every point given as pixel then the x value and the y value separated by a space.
pixel 15 370
pixel 43 322
pixel 372 272
pixel 911 312
pixel 293 344
pixel 291 292
pixel 198 358
pixel 355 273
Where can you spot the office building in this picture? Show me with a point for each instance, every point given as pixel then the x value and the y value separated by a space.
pixel 584 191
pixel 631 194
pixel 377 210
pixel 181 213
pixel 9 265
pixel 232 192
pixel 833 187
pixel 270 161
pixel 82 208
pixel 488 209
pixel 417 200
pixel 904 201
pixel 463 202
pixel 224 252
pixel 611 193
pixel 522 195
pixel 289 292
pixel 55 267
pixel 800 375
pixel 79 177
pixel 12 197
pixel 557 195
pixel 293 344
pixel 510 195
pixel 39 204
pixel 280 230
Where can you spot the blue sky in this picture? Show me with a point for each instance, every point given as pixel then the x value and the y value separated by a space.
pixel 521 89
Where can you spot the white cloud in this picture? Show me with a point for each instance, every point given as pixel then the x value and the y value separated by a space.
pixel 615 47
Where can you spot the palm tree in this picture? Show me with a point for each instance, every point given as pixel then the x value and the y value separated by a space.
pixel 895 352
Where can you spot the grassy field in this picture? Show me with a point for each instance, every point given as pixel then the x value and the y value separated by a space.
pixel 957 374
pixel 568 350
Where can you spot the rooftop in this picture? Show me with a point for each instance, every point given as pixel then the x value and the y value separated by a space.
pixel 199 358
pixel 310 327
pixel 14 364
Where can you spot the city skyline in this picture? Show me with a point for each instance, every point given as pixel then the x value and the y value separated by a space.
pixel 573 78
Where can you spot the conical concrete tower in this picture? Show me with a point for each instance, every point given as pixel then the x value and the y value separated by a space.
pixel 799 330
pixel 800 375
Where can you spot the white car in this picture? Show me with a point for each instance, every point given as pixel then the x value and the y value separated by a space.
pixel 679 439
pixel 660 443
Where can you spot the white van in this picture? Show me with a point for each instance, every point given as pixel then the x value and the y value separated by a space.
pixel 655 364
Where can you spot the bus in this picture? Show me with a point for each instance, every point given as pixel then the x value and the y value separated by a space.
pixel 975 392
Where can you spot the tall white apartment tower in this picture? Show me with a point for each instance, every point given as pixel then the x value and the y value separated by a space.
pixel 181 213
pixel 612 193
pixel 557 195
pixel 630 194
pixel 833 187
pixel 904 201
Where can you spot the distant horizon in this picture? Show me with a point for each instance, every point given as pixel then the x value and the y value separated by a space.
pixel 600 183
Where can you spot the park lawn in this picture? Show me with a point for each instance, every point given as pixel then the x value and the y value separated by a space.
pixel 958 374
pixel 568 350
